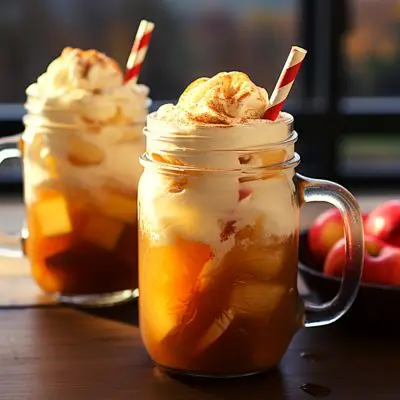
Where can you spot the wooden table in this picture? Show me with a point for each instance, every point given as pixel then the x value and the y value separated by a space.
pixel 57 353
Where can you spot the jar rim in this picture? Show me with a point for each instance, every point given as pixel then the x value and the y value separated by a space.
pixel 147 161
pixel 256 133
pixel 291 139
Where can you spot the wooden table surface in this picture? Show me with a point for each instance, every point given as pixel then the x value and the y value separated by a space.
pixel 57 353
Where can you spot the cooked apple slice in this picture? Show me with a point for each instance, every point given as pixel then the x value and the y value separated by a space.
pixel 120 206
pixel 53 216
pixel 167 159
pixel 82 153
pixel 189 88
pixel 102 231
pixel 252 299
pixel 178 182
pixel 215 331
pixel 271 157
pixel 168 281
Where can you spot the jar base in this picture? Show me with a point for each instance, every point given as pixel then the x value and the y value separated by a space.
pixel 98 300
pixel 200 375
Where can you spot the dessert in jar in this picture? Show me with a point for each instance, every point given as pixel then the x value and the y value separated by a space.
pixel 218 234
pixel 81 143
pixel 218 205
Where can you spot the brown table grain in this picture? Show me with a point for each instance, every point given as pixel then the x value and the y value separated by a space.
pixel 57 353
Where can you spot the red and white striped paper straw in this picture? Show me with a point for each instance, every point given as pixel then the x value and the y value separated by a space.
pixel 139 50
pixel 285 82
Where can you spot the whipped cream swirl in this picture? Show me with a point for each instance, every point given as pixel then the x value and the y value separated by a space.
pixel 90 84
pixel 228 98
pixel 81 98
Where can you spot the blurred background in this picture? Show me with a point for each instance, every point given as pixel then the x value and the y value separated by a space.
pixel 346 99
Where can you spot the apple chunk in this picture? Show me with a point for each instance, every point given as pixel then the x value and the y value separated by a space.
pixel 120 207
pixel 256 299
pixel 82 153
pixel 215 331
pixel 102 231
pixel 53 216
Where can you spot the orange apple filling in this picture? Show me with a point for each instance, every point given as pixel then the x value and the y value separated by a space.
pixel 265 158
pixel 76 249
pixel 119 206
pixel 169 276
pixel 179 181
pixel 196 310
pixel 82 153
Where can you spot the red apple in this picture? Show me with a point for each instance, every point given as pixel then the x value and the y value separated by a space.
pixel 381 262
pixel 384 222
pixel 325 231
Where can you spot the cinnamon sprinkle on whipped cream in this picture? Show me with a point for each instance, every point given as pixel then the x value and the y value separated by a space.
pixel 228 98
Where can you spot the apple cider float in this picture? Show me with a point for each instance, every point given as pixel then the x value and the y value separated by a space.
pixel 82 140
pixel 218 231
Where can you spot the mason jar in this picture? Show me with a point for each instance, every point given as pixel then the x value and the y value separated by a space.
pixel 218 246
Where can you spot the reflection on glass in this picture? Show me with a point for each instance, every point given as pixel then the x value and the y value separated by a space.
pixel 373 48
pixel 192 38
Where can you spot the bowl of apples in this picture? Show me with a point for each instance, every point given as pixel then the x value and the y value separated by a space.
pixel 322 260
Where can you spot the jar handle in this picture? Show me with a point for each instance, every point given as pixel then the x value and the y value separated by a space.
pixel 11 245
pixel 311 190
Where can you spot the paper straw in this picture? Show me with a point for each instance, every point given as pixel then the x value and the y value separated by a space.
pixel 138 51
pixel 285 82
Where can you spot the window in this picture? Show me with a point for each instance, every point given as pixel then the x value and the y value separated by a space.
pixel 192 38
pixel 372 49
pixel 368 147
pixel 345 100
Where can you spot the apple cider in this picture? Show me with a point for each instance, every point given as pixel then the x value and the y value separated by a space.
pixel 81 145
pixel 218 240
pixel 238 319
pixel 218 207
pixel 83 233
pixel 78 248
pixel 218 292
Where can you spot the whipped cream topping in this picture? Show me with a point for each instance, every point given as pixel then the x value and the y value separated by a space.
pixel 80 69
pixel 90 85
pixel 217 146
pixel 82 94
pixel 228 137
pixel 228 98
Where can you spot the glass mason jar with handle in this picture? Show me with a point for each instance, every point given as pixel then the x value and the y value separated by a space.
pixel 218 247
pixel 80 149
pixel 80 232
